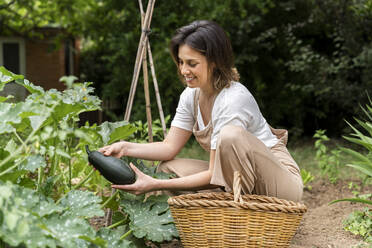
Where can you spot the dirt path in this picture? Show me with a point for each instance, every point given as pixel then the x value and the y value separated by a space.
pixel 321 226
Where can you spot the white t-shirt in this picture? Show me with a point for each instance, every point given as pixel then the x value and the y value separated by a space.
pixel 234 105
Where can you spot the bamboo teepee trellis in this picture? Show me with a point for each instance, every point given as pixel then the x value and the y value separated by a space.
pixel 141 59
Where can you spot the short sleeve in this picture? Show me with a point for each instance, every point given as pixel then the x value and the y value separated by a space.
pixel 184 117
pixel 237 108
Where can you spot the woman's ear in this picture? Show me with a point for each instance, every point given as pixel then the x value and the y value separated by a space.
pixel 212 65
pixel 211 68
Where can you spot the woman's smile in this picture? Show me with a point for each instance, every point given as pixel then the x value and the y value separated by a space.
pixel 193 66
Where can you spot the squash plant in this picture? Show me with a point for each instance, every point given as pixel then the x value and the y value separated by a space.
pixel 44 166
pixel 360 222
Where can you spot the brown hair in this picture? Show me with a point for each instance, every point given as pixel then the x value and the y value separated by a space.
pixel 208 38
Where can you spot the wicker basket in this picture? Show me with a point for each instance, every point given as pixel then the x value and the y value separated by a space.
pixel 226 220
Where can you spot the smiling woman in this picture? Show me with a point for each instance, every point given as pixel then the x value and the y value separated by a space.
pixel 209 41
pixel 226 121
pixel 193 67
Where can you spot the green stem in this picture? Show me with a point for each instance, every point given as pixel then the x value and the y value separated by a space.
pixel 40 175
pixel 126 234
pixel 19 138
pixel 9 169
pixel 69 144
pixel 12 167
pixel 55 161
pixel 87 178
pixel 69 174
pixel 109 199
pixel 77 186
pixel 117 223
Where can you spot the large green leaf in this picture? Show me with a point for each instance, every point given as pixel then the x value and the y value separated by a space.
pixel 6 128
pixel 35 203
pixel 122 132
pixel 33 89
pixel 7 77
pixel 113 238
pixel 37 222
pixel 39 238
pixel 361 163
pixel 364 168
pixel 64 109
pixel 109 133
pixel 150 219
pixel 9 113
pixel 68 230
pixel 366 125
pixel 33 162
pixel 21 225
pixel 82 203
pixel 11 146
pixel 12 115
pixel 364 141
pixel 356 155
pixel 36 121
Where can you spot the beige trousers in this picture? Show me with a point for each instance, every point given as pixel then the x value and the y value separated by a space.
pixel 271 172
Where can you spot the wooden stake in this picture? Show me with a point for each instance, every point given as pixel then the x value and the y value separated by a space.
pixel 146 81
pixel 157 94
pixel 139 57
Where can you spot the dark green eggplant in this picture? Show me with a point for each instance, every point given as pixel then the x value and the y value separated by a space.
pixel 113 169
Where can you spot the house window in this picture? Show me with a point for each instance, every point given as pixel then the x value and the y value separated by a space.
pixel 69 57
pixel 13 58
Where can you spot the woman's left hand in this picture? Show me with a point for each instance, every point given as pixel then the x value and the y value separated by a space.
pixel 143 184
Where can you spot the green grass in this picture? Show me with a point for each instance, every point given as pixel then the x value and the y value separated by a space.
pixel 304 153
pixel 193 150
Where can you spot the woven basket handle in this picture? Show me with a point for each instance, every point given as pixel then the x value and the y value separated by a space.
pixel 237 187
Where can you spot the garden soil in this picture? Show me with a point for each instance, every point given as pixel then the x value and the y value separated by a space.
pixel 321 226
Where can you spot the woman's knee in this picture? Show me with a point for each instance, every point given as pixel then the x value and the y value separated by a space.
pixel 163 167
pixel 230 135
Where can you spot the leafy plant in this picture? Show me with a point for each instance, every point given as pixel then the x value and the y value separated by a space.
pixel 362 162
pixel 34 220
pixel 141 134
pixel 360 223
pixel 44 138
pixel 328 162
pixel 151 218
pixel 307 178
pixel 43 162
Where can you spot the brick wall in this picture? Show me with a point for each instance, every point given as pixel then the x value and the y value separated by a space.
pixel 45 64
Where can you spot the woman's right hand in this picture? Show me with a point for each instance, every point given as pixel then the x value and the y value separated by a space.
pixel 116 149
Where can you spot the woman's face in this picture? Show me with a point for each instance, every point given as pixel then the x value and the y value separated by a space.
pixel 193 67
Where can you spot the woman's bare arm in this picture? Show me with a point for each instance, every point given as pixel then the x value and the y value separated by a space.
pixel 161 151
pixel 196 181
pixel 145 183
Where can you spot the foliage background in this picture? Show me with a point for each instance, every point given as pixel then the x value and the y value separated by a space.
pixel 307 62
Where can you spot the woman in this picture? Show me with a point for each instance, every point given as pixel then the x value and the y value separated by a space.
pixel 226 121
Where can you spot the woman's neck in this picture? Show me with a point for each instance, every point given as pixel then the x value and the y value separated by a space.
pixel 208 92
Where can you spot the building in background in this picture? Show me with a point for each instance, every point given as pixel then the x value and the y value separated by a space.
pixel 41 60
